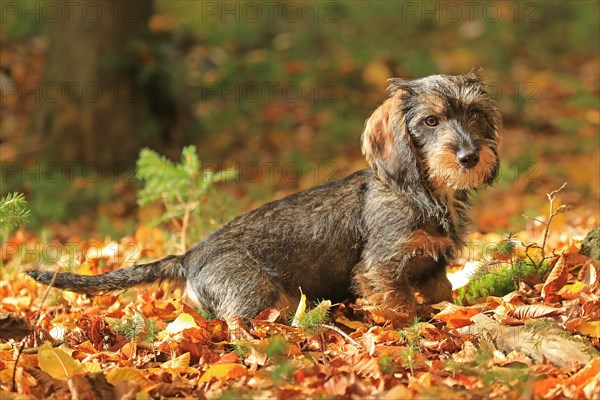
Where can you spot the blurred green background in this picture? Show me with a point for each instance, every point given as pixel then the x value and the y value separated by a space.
pixel 280 91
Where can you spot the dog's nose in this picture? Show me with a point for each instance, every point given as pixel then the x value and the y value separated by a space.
pixel 468 158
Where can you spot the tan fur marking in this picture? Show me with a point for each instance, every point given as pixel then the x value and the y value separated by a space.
pixel 422 243
pixel 286 304
pixel 445 171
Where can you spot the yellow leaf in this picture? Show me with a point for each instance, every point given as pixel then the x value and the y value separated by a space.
pixel 92 367
pixel 571 291
pixel 128 374
pixel 591 328
pixel 182 322
pixel 300 311
pixel 224 370
pixel 182 361
pixel 57 363
pixel 85 268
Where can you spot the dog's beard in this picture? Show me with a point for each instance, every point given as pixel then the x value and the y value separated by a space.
pixel 445 171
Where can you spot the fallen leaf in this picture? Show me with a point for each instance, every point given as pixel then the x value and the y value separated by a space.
pixel 531 311
pixel 350 324
pixel 182 322
pixel 183 361
pixel 549 388
pixel 574 386
pixel 56 363
pixel 591 328
pixel 455 316
pixel 224 371
pixel 555 281
pixel 571 291
pixel 588 274
pixel 130 375
pixel 468 353
pixel 270 315
pixel 300 311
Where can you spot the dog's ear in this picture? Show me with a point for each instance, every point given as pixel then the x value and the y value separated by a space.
pixel 387 145
pixel 395 84
pixel 474 75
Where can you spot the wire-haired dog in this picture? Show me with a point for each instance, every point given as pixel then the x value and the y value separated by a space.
pixel 379 234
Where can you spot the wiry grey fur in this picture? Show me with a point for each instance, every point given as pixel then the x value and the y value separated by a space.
pixel 379 233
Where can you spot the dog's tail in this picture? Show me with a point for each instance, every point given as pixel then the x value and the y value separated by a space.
pixel 170 267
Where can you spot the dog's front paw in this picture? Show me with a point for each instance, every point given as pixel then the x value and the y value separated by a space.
pixel 397 313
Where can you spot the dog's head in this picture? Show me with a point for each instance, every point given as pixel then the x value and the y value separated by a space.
pixel 441 129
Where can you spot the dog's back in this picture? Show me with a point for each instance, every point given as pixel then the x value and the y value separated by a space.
pixel 309 240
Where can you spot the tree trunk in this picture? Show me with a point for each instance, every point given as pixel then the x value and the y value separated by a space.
pixel 90 107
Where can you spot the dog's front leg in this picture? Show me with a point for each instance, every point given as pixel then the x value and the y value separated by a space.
pixel 433 288
pixel 386 296
pixel 426 268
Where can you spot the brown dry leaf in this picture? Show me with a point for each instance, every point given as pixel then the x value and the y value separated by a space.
pixel 589 273
pixel 13 327
pixel 90 386
pixel 269 315
pixel 47 385
pixel 555 281
pixel 515 297
pixel 255 358
pixel 545 369
pixel 575 260
pixel 514 357
pixel 356 325
pixel 467 354
pixel 224 371
pixel 538 310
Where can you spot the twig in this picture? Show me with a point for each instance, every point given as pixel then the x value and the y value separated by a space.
pixel 551 197
pixel 37 319
pixel 341 332
pixel 551 214
pixel 533 219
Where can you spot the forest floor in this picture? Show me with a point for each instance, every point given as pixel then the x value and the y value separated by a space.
pixel 529 327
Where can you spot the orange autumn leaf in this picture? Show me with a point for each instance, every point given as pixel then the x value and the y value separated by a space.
pixel 224 371
pixel 549 388
pixel 556 280
pixel 579 384
pixel 455 316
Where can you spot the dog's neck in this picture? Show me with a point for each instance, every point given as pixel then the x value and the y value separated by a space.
pixel 449 207
pixel 454 206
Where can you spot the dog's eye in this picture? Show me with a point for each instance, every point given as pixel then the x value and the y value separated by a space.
pixel 431 121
